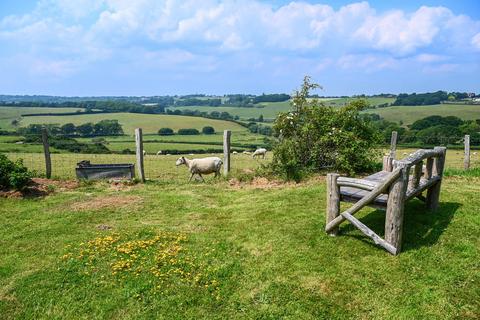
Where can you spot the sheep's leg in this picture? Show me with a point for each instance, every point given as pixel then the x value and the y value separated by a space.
pixel 190 180
pixel 203 180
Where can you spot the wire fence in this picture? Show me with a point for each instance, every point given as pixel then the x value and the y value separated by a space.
pixel 162 167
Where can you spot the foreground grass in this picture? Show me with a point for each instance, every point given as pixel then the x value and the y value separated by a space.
pixel 257 253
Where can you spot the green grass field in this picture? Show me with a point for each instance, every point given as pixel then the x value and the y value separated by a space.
pixel 162 166
pixel 373 101
pixel 150 123
pixel 238 137
pixel 216 250
pixel 270 110
pixel 8 114
pixel 409 114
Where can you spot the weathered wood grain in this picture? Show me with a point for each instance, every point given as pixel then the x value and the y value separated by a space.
pixel 46 152
pixel 333 201
pixel 139 151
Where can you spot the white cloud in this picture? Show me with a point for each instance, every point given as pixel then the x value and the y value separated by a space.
pixel 430 58
pixel 355 35
pixel 476 41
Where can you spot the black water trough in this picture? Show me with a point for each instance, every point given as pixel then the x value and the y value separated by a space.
pixel 86 170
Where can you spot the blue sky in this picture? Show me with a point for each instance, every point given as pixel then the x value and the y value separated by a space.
pixel 156 47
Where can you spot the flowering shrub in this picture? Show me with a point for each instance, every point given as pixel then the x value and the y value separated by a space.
pixel 313 136
pixel 13 174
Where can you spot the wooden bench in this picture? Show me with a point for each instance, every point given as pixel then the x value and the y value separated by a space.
pixel 389 189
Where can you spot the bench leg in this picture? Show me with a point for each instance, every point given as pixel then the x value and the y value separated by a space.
pixel 395 210
pixel 333 200
pixel 433 196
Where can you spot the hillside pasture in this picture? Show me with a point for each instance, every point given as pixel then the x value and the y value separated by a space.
pixel 8 114
pixel 409 114
pixel 270 110
pixel 238 137
pixel 150 123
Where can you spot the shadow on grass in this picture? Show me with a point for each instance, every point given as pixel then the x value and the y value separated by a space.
pixel 421 228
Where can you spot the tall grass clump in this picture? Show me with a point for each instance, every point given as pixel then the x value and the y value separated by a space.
pixel 313 136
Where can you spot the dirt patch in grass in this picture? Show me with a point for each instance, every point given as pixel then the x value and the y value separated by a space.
pixel 60 184
pixel 259 183
pixel 40 187
pixel 121 185
pixel 106 202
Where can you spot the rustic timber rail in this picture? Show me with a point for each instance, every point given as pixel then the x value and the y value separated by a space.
pixel 389 190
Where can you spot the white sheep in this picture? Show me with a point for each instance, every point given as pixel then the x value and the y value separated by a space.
pixel 159 152
pixel 201 166
pixel 144 152
pixel 234 152
pixel 247 152
pixel 260 152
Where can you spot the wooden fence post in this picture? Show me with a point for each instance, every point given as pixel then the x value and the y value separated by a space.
pixel 139 151
pixel 46 151
pixel 387 163
pixel 395 208
pixel 466 161
pixel 433 193
pixel 226 151
pixel 393 144
pixel 333 201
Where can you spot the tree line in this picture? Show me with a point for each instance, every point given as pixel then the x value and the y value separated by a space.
pixel 429 98
pixel 102 128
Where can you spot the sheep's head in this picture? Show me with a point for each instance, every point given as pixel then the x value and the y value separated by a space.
pixel 180 161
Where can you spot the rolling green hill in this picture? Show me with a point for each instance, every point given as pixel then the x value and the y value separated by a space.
pixel 8 114
pixel 270 110
pixel 409 114
pixel 149 122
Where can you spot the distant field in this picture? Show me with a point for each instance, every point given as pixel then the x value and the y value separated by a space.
pixel 237 137
pixel 150 123
pixel 270 110
pixel 409 114
pixel 371 101
pixel 8 114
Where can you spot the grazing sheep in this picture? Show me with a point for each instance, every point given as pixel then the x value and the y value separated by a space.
pixel 201 166
pixel 260 152
pixel 474 153
pixel 247 152
pixel 234 152
pixel 159 152
pixel 144 152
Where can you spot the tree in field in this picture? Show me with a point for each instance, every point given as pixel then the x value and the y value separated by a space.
pixel 108 128
pixel 260 118
pixel 188 132
pixel 85 129
pixel 208 130
pixel 314 136
pixel 165 132
pixel 68 128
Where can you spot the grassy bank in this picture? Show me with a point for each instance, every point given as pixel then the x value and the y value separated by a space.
pixel 217 251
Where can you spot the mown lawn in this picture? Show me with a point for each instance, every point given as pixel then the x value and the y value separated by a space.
pixel 216 251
